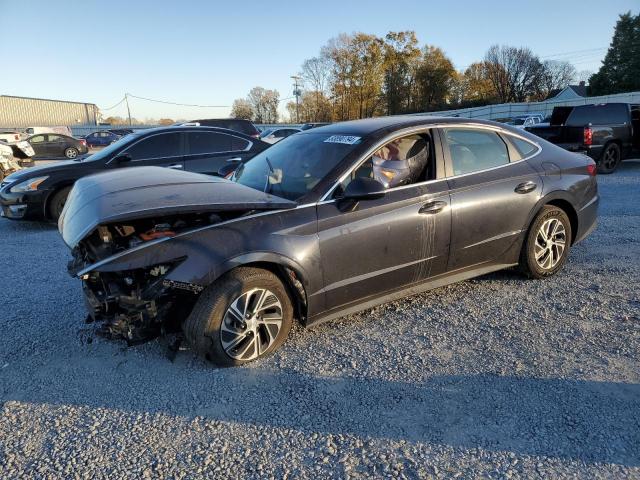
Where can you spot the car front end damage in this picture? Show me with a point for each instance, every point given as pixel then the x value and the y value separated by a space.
pixel 130 234
pixel 140 303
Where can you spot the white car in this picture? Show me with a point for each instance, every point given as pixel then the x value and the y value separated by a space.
pixel 7 163
pixel 277 134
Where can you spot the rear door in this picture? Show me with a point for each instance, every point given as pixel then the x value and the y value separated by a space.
pixel 492 193
pixel 56 145
pixel 207 152
pixel 39 144
pixel 161 149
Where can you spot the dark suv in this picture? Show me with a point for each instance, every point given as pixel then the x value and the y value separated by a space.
pixel 237 124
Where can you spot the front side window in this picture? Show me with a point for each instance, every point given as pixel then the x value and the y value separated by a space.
pixel 37 139
pixel 157 146
pixel 208 142
pixel 472 150
pixel 403 161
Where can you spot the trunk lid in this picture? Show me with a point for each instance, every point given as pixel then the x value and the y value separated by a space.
pixel 145 192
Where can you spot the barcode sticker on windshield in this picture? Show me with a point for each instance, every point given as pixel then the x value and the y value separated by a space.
pixel 346 139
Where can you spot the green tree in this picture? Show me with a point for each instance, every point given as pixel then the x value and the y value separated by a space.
pixel 435 77
pixel 620 70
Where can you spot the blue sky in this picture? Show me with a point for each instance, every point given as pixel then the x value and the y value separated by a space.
pixel 210 52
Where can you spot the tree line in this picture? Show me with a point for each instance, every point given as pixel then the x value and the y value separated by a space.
pixel 361 75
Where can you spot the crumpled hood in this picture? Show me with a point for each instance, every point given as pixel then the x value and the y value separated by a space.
pixel 134 193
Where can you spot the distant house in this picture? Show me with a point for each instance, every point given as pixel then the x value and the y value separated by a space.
pixel 569 92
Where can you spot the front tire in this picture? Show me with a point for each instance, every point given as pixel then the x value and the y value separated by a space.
pixel 245 315
pixel 57 203
pixel 546 247
pixel 610 159
pixel 71 153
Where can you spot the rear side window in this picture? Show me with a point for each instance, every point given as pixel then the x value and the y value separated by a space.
pixel 524 148
pixel 208 142
pixel 158 146
pixel 608 114
pixel 472 150
pixel 239 143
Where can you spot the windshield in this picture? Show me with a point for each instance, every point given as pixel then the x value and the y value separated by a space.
pixel 294 166
pixel 108 150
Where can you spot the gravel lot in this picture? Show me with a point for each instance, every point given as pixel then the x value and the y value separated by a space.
pixel 497 377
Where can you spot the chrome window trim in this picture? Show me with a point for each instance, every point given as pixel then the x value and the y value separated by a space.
pixel 408 131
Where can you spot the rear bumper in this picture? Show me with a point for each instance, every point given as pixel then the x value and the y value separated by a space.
pixel 587 219
pixel 23 206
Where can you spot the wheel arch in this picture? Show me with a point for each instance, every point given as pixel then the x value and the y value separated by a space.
pixel 563 201
pixel 290 273
pixel 54 190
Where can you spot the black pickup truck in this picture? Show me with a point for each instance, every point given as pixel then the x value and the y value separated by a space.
pixel 607 132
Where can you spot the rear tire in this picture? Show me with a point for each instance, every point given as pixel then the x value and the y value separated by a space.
pixel 57 203
pixel 546 247
pixel 71 153
pixel 609 159
pixel 225 338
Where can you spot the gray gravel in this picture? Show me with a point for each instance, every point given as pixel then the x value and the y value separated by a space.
pixel 497 377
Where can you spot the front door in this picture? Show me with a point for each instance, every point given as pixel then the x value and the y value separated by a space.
pixel 492 193
pixel 387 243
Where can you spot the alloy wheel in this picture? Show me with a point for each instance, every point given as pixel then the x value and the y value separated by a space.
pixel 610 159
pixel 251 324
pixel 551 241
pixel 71 153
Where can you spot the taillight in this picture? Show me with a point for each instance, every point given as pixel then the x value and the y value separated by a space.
pixel 592 169
pixel 16 137
pixel 588 136
pixel 83 142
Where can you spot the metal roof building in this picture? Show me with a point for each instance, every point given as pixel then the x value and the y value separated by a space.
pixel 41 112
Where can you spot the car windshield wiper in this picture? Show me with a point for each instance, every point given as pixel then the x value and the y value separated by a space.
pixel 267 184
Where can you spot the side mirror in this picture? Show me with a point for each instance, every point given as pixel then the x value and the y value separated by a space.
pixel 359 189
pixel 363 188
pixel 122 158
pixel 227 169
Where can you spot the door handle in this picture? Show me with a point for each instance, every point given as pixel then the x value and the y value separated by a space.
pixel 176 166
pixel 430 208
pixel 526 187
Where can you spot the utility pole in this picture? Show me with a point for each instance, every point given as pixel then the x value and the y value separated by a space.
pixel 126 99
pixel 296 92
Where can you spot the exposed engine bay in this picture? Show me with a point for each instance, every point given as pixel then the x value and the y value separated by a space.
pixel 137 305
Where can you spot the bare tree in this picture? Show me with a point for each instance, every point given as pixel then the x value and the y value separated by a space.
pixel 516 73
pixel 555 76
pixel 242 109
pixel 264 104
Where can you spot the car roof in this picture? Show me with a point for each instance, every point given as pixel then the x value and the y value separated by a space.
pixel 368 126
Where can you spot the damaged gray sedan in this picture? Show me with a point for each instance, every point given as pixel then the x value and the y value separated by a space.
pixel 325 223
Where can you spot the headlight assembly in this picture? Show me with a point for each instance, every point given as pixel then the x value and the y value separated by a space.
pixel 30 185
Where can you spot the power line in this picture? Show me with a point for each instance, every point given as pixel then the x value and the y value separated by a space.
pixel 114 106
pixel 178 104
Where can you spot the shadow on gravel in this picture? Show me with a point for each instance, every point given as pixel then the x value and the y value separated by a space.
pixel 571 419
